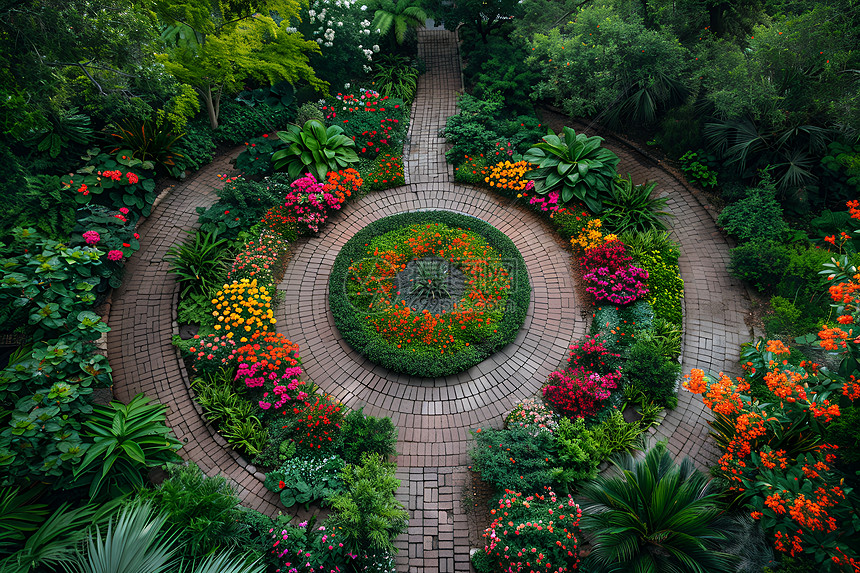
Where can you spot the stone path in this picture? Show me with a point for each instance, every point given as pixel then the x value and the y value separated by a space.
pixel 434 416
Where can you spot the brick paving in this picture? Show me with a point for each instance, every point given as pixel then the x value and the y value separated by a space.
pixel 434 416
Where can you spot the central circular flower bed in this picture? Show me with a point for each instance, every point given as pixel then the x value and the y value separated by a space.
pixel 429 294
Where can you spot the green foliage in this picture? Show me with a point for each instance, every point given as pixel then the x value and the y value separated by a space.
pixel 757 217
pixel 498 67
pixel 151 140
pixel 664 336
pixel 578 452
pixel 234 415
pixel 39 201
pixel 785 316
pixel 656 516
pixel 630 207
pixel 129 439
pixel 760 264
pixel 617 326
pixel 515 458
pixel 394 76
pixel 649 371
pixel 18 515
pixel 62 130
pixel 658 255
pixel 315 149
pixel 203 513
pixel 843 432
pixel 277 96
pixel 844 161
pixel 256 160
pixel 605 62
pixel 472 171
pixel 361 433
pixel 304 479
pixel 575 165
pixel 393 17
pixel 613 434
pixel 216 47
pixel 308 111
pixel 680 131
pixel 483 17
pixel 239 123
pixel 197 146
pixel 697 171
pixel 367 512
pixel 241 204
pixel 199 263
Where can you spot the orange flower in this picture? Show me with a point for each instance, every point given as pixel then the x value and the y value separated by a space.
pixel 777 347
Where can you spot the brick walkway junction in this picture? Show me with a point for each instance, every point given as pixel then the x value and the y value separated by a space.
pixel 433 416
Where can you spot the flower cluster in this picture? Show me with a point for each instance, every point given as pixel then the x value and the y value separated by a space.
pixel 309 203
pixel 591 236
pixel 387 172
pixel 242 308
pixel 211 352
pixel 591 354
pixel 532 415
pixel 370 140
pixel 91 237
pixel 270 364
pixel 533 534
pixel 609 274
pixel 261 259
pixel 579 393
pixel 318 423
pixel 342 184
pixel 373 285
pixel 510 177
pixel 280 220
pixel 302 549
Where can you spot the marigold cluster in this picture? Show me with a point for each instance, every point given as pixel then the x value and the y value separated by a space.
pixel 509 176
pixel 241 309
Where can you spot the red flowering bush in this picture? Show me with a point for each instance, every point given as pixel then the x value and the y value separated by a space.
pixel 591 354
pixel 387 172
pixel 317 424
pixel 532 534
pixel 578 393
pixel 269 364
pixel 280 220
pixel 612 255
pixel 375 123
pixel 608 274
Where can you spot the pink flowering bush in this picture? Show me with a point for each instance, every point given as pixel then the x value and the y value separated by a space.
pixel 269 365
pixel 538 533
pixel 612 255
pixel 621 286
pixel 304 548
pixel 578 393
pixel 309 203
pixel 263 259
pixel 210 353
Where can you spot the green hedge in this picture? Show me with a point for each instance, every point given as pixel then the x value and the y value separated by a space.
pixel 367 342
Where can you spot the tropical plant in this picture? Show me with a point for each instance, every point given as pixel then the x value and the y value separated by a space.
pixel 203 512
pixel 631 208
pixel 361 433
pixel 129 439
pixel 395 17
pixel 199 263
pixel 574 165
pixel 655 517
pixel 55 541
pixel 431 280
pixel 367 512
pixel 314 149
pixel 148 140
pixel 279 95
pixel 395 77
pixel 63 128
pixel 18 515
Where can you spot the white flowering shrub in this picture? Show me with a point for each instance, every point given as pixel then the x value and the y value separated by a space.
pixel 342 30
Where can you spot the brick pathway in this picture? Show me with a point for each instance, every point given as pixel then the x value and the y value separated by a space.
pixel 434 416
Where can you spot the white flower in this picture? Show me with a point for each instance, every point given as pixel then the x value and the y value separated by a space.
pixel 375 48
pixel 363 7
pixel 365 23
pixel 366 32
pixel 328 44
pixel 291 30
pixel 346 86
pixel 319 40
pixel 312 14
pixel 367 69
pixel 340 24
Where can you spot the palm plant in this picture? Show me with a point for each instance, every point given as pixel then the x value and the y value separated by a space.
pixel 641 101
pixel 395 18
pixel 18 515
pixel 631 208
pixel 655 517
pixel 431 280
pixel 395 77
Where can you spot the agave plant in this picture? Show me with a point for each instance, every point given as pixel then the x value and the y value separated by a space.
pixel 631 208
pixel 431 280
pixel 655 517
pixel 314 149
pixel 574 165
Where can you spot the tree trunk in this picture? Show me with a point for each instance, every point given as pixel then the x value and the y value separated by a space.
pixel 716 17
pixel 211 110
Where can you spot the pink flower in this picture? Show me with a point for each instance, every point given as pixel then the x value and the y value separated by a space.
pixel 123 210
pixel 91 237
pixel 114 255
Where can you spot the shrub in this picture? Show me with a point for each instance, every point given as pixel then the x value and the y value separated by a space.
pixel 310 204
pixel 631 208
pixel 237 122
pixel 532 415
pixel 697 171
pixel 761 264
pixel 578 451
pixel 539 530
pixel 515 457
pixel 665 285
pixel 204 513
pixel 578 393
pixel 305 479
pixel 367 512
pixel 309 110
pixel 617 327
pixel 473 170
pixel 199 263
pixel 648 370
pixel 385 172
pixel 314 426
pixel 306 548
pixel 614 434
pixel 361 434
pixel 757 217
pixel 591 354
pixel 198 145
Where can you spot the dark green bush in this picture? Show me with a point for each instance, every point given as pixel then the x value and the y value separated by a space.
pixel 238 122
pixel 360 433
pixel 680 131
pixel 618 325
pixel 514 459
pixel 653 374
pixel 762 264
pixel 757 217
pixel 198 144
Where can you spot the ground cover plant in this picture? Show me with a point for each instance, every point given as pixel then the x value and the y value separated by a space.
pixel 483 316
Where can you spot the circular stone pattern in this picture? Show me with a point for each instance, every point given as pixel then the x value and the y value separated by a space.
pixel 429 294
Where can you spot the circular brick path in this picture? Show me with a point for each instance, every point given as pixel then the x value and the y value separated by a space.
pixel 433 416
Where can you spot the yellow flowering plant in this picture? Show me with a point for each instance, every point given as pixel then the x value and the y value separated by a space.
pixel 241 309
pixel 591 236
pixel 508 176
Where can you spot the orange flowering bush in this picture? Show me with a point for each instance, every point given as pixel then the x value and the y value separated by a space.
pixel 774 454
pixel 387 172
pixel 509 178
pixel 591 236
pixel 342 184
